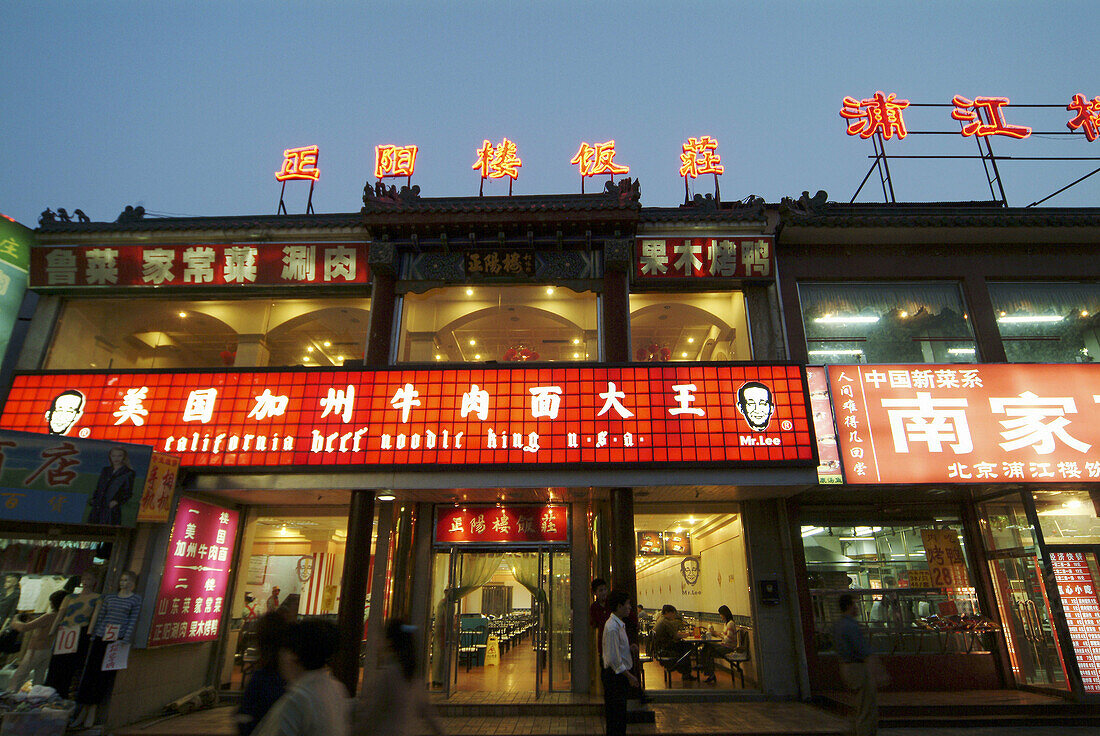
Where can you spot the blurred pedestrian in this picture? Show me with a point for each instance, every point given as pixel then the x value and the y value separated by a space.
pixel 265 684
pixel 315 702
pixel 857 666
pixel 394 701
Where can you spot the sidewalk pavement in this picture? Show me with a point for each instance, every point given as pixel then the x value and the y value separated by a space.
pixel 689 719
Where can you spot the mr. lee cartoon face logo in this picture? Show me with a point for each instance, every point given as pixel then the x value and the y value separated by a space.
pixel 754 401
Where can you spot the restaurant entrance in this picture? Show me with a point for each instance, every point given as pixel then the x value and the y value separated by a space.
pixel 502 620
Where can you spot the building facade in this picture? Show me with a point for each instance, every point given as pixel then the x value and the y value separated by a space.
pixel 460 411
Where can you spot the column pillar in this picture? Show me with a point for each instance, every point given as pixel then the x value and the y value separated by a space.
pixel 623 573
pixel 376 620
pixel 353 588
pixel 579 571
pixel 402 563
pixel 615 302
pixel 382 304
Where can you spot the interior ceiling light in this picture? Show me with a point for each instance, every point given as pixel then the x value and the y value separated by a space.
pixel 549 289
pixel 183 314
pixel 327 344
pixel 309 349
pixel 845 319
pixel 386 496
pixel 1017 319
pixel 469 292
pixel 473 342
pixel 691 340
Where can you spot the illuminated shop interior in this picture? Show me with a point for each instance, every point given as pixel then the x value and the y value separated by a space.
pixel 689 327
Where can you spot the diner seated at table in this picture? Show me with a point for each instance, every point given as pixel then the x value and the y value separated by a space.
pixel 669 644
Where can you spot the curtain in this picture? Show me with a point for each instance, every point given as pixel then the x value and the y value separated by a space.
pixel 474 571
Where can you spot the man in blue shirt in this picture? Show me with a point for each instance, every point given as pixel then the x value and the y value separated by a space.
pixel 856 666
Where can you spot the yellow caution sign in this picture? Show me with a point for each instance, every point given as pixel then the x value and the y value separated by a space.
pixel 492 652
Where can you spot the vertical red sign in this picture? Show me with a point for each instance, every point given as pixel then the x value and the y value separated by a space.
pixel 196 575
pixel 1079 600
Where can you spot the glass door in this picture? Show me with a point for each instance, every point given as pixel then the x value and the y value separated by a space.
pixel 1025 610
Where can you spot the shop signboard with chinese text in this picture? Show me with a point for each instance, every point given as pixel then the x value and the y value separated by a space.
pixel 687 414
pixel 205 265
pixel 828 454
pixel 722 257
pixel 968 423
pixel 490 524
pixel 160 485
pixel 15 256
pixel 1077 589
pixel 66 480
pixel 196 575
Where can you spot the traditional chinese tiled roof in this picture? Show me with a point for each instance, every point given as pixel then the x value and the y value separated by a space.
pixel 936 214
pixel 334 221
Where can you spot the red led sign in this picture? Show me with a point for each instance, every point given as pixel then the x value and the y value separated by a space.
pixel 499 162
pixel 394 161
pixel 200 265
pixel 481 524
pixel 982 116
pixel 878 114
pixel 299 163
pixel 731 257
pixel 700 156
pixel 597 158
pixel 1087 118
pixel 668 414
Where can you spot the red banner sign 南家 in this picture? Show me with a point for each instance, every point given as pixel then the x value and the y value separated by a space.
pixel 967 423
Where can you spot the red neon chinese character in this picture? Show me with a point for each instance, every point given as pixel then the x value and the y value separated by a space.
pixel 880 113
pixel 700 157
pixel 598 159
pixel 969 112
pixel 299 163
pixel 60 457
pixel 499 162
pixel 394 161
pixel 1088 115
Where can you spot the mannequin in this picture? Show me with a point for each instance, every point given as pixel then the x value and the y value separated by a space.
pixel 76 610
pixel 114 610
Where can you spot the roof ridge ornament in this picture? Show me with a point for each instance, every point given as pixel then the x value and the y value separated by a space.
pixel 805 205
pixel 380 194
pixel 627 190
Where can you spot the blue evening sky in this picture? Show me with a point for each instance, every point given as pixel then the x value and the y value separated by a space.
pixel 185 108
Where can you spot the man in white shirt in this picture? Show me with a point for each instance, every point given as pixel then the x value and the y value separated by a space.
pixel 617 664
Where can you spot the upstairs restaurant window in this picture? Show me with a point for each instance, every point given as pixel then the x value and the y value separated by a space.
pixel 899 322
pixel 245 333
pixel 1048 322
pixel 689 327
pixel 498 324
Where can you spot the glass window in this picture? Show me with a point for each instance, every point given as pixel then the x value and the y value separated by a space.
pixel 487 324
pixel 1005 525
pixel 903 589
pixel 246 333
pixel 698 326
pixel 1067 517
pixel 1048 322
pixel 886 323
pixel 695 562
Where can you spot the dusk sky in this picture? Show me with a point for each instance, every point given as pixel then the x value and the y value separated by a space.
pixel 185 108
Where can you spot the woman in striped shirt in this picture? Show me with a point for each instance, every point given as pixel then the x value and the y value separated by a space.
pixel 114 619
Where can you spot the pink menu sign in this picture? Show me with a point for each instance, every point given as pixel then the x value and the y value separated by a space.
pixel 196 575
pixel 1079 600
